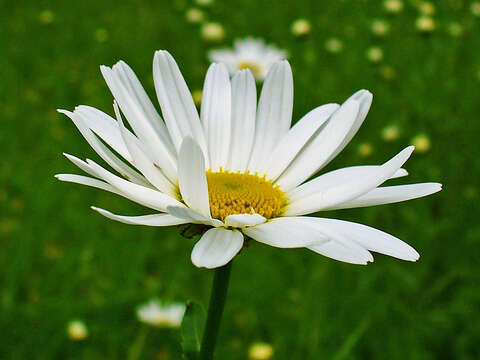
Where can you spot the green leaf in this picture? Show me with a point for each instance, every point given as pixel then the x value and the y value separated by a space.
pixel 192 329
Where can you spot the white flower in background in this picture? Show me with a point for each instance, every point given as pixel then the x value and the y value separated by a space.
pixel 212 31
pixel 301 27
pixel 46 16
pixel 425 24
pixel 260 351
pixel 374 54
pixel 390 133
pixel 421 143
pixel 393 6
pixel 204 2
pixel 380 27
pixel 426 8
pixel 365 149
pixel 238 167
pixel 156 314
pixel 248 53
pixel 194 15
pixel 334 45
pixel 77 330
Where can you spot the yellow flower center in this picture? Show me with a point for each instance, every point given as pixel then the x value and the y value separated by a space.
pixel 243 193
pixel 256 69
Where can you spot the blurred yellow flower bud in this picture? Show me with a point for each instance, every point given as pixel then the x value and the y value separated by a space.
pixel 260 351
pixel 77 330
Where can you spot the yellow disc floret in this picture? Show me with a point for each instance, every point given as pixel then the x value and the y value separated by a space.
pixel 243 193
pixel 255 68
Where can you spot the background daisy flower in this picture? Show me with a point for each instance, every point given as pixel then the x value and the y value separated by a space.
pixel 161 315
pixel 248 53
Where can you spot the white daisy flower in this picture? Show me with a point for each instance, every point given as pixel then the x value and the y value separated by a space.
pixel 77 330
pixel 248 53
pixel 239 168
pixel 156 314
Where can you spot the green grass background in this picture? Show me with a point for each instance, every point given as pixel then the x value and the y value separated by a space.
pixel 60 261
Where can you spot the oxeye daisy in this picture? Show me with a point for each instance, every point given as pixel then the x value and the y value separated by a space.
pixel 239 168
pixel 162 315
pixel 248 53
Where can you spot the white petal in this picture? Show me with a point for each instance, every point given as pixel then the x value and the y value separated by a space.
pixel 364 97
pixel 148 220
pixel 104 152
pixel 131 83
pixel 192 178
pixel 146 196
pixel 81 164
pixel 317 152
pixel 193 216
pixel 143 118
pixel 244 107
pixel 244 220
pixel 390 194
pixel 105 127
pixel 286 232
pixel 216 248
pixel 88 181
pixel 177 105
pixel 366 237
pixel 290 145
pixel 335 178
pixel 274 113
pixel 399 173
pixel 143 162
pixel 346 252
pixel 318 195
pixel 215 114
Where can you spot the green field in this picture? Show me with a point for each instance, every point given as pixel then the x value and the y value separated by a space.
pixel 60 261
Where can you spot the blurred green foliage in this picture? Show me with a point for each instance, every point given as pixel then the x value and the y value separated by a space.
pixel 61 261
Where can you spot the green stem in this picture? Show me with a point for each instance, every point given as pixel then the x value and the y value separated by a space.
pixel 215 311
pixel 135 350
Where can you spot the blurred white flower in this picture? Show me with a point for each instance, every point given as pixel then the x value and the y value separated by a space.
pixel 421 142
pixel 426 8
pixel 156 314
pixel 260 351
pixel 77 330
pixel 393 6
pixel 204 2
pixel 425 24
pixel 334 45
pixel 374 54
pixel 301 27
pixel 46 16
pixel 365 149
pixel 194 15
pixel 248 53
pixel 390 133
pixel 380 27
pixel 212 31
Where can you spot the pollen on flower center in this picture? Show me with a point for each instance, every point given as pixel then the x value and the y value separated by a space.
pixel 243 193
pixel 255 68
